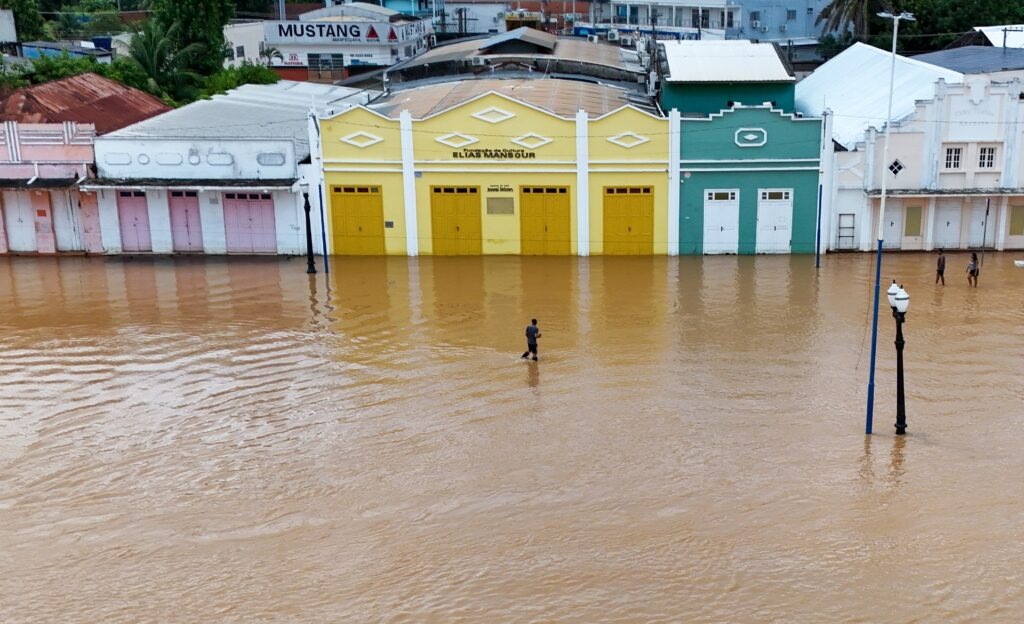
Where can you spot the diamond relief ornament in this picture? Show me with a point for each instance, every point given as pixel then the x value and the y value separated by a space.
pixel 493 115
pixel 361 139
pixel 531 141
pixel 456 140
pixel 628 140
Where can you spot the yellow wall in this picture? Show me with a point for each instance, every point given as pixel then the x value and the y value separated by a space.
pixel 644 164
pixel 554 163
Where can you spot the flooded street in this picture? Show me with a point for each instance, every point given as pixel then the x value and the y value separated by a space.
pixel 227 440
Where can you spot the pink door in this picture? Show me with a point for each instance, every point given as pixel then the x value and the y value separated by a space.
pixel 90 212
pixel 133 212
pixel 3 234
pixel 186 230
pixel 249 223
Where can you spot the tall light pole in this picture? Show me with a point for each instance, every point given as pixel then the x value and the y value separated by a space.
pixel 310 265
pixel 881 214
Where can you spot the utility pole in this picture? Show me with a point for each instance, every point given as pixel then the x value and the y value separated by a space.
pixel 1007 29
pixel 281 13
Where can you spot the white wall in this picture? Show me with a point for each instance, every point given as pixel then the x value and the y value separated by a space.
pixel 110 224
pixel 211 217
pixel 480 18
pixel 248 36
pixel 195 159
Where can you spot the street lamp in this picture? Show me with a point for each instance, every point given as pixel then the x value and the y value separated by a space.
pixel 899 301
pixel 909 17
pixel 310 266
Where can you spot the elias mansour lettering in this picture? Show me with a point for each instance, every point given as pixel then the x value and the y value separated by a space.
pixel 508 154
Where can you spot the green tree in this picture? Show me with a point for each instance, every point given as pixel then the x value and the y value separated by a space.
pixel 198 22
pixel 855 15
pixel 27 19
pixel 234 77
pixel 166 65
pixel 939 22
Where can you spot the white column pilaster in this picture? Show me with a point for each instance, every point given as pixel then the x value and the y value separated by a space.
pixel 1003 221
pixel 929 227
pixel 412 230
pixel 582 184
pixel 674 144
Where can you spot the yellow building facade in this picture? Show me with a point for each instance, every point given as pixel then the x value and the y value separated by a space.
pixel 497 175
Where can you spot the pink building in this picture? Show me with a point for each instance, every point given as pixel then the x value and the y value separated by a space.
pixel 40 164
pixel 47 135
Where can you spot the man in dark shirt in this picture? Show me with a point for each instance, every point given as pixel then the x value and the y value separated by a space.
pixel 940 269
pixel 532 334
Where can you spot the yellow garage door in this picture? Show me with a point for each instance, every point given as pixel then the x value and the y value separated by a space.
pixel 629 220
pixel 357 221
pixel 545 216
pixel 455 220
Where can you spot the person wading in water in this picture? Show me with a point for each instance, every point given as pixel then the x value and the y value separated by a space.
pixel 532 334
pixel 940 269
pixel 972 270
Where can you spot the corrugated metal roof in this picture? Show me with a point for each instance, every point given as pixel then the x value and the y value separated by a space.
pixel 88 98
pixel 529 35
pixel 994 34
pixel 855 86
pixel 561 97
pixel 976 59
pixel 734 60
pixel 566 49
pixel 277 111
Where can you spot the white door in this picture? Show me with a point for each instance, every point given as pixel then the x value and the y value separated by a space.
pixel 893 230
pixel 18 221
pixel 721 222
pixel 66 224
pixel 774 220
pixel 979 228
pixel 947 224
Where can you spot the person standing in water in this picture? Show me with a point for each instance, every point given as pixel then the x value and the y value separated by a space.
pixel 940 269
pixel 532 334
pixel 972 270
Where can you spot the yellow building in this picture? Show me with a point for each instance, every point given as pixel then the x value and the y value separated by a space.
pixel 515 166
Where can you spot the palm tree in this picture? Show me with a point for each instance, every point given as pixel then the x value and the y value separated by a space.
pixel 269 53
pixel 152 48
pixel 840 15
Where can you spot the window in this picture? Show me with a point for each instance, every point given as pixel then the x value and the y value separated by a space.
pixel 775 195
pixel 699 18
pixel 755 16
pixel 240 51
pixel 896 167
pixel 810 10
pixel 1016 220
pixel 791 14
pixel 953 157
pixel 721 195
pixel 229 53
pixel 728 19
pixel 912 221
pixel 987 158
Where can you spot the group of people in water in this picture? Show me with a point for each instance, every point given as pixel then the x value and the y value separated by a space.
pixel 972 270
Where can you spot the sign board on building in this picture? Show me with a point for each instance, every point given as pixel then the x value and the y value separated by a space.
pixel 296 32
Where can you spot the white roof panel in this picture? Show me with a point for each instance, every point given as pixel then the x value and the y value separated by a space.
pixel 734 60
pixel 275 111
pixel 855 87
pixel 994 34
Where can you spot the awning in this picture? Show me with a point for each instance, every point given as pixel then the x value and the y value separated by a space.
pixel 38 183
pixel 98 184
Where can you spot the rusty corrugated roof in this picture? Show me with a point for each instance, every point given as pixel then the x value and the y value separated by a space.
pixel 88 98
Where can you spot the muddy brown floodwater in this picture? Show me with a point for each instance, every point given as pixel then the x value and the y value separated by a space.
pixel 224 440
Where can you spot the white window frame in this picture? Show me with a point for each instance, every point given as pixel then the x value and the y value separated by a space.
pixel 954 154
pixel 732 194
pixel 994 163
pixel 765 194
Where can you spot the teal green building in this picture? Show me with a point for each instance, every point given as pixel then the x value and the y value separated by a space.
pixel 749 167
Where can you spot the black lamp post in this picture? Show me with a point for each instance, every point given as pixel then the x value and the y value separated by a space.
pixel 310 266
pixel 899 301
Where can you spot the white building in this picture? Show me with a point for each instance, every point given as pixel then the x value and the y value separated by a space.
pixel 955 178
pixel 333 38
pixel 217 176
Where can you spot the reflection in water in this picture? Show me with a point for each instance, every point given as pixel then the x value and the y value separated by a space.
pixel 193 436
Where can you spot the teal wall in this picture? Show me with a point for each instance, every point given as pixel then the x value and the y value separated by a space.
pixel 705 99
pixel 769 166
